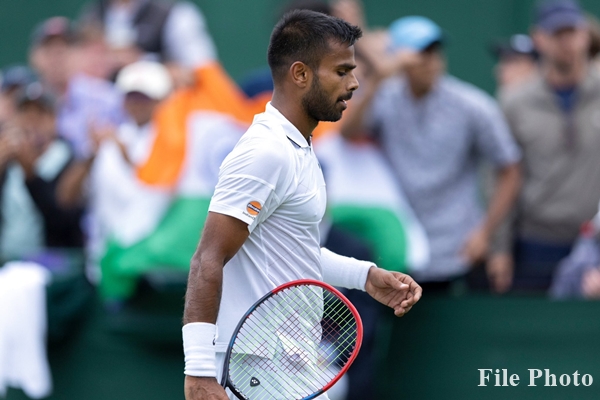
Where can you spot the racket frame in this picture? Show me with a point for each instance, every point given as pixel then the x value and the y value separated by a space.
pixel 226 383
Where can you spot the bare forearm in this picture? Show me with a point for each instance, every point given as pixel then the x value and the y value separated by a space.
pixel 204 289
pixel 221 239
pixel 507 188
pixel 70 187
pixel 353 123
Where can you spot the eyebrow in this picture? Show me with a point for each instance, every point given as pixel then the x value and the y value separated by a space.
pixel 347 66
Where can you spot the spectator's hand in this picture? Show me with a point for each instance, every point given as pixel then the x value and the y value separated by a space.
pixel 27 154
pixel 500 270
pixel 9 146
pixel 350 11
pixel 104 133
pixel 182 76
pixel 476 247
pixel 590 284
pixel 99 134
pixel 375 48
pixel 203 389
pixel 394 289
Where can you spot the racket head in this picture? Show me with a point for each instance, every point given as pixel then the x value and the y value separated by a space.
pixel 295 342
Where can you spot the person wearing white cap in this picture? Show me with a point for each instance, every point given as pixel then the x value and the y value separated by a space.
pixel 144 84
pixel 434 130
pixel 117 196
pixel 117 193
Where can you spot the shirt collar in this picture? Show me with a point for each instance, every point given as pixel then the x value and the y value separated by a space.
pixel 290 130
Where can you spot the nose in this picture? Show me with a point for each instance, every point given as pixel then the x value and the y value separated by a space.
pixel 353 84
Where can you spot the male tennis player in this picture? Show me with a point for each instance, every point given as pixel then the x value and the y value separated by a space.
pixel 263 226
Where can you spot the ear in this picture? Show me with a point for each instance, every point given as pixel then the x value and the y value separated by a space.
pixel 35 57
pixel 301 74
pixel 538 37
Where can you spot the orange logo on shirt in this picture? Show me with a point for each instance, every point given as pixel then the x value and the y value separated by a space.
pixel 253 208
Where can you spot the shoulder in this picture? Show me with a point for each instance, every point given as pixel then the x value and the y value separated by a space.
pixel 522 97
pixel 261 147
pixel 470 101
pixel 184 10
pixel 466 94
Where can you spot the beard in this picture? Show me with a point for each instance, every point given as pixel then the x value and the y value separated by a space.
pixel 318 105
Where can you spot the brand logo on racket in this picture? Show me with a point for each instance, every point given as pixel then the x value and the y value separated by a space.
pixel 254 382
pixel 253 208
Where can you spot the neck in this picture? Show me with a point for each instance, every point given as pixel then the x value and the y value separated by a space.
pixel 564 78
pixel 419 91
pixel 293 112
pixel 58 87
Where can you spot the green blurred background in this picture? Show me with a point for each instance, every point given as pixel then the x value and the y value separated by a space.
pixel 241 28
pixel 435 351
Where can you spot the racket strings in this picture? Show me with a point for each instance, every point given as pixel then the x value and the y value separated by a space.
pixel 293 344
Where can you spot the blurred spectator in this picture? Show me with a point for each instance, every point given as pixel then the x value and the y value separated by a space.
pixel 433 129
pixel 554 118
pixel 152 178
pixel 116 193
pixel 594 26
pixel 33 161
pixel 517 63
pixel 12 80
pixel 578 275
pixel 174 33
pixel 71 65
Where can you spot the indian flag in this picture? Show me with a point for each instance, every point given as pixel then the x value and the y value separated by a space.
pixel 364 197
pixel 150 216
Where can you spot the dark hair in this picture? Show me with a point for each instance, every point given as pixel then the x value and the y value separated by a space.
pixel 303 35
pixel 313 5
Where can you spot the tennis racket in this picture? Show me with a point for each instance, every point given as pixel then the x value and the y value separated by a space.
pixel 294 343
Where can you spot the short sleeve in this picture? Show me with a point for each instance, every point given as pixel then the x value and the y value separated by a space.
pixel 251 181
pixel 492 134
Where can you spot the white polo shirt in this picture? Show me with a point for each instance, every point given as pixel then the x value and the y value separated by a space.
pixel 273 182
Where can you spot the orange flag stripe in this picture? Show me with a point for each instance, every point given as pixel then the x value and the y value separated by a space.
pixel 213 91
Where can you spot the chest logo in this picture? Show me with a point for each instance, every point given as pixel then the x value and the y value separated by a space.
pixel 253 208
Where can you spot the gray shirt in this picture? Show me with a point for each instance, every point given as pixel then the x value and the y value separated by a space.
pixel 561 162
pixel 434 145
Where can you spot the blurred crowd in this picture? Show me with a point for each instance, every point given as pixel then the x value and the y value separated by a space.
pixel 125 111
pixel 112 135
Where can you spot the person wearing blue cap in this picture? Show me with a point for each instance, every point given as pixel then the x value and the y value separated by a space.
pixel 434 129
pixel 555 119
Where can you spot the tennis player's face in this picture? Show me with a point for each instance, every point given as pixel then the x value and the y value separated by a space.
pixel 332 85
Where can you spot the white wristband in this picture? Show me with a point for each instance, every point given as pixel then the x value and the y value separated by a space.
pixel 343 271
pixel 199 349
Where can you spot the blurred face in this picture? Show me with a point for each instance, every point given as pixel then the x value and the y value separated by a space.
pixel 423 74
pixel 514 69
pixel 140 107
pixel 563 48
pixel 37 125
pixel 7 108
pixel 332 84
pixel 50 59
pixel 91 58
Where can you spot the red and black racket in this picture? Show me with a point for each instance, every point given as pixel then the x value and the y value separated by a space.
pixel 294 343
